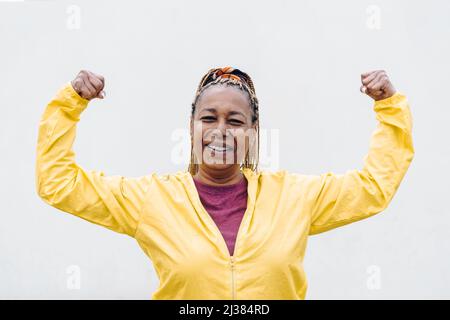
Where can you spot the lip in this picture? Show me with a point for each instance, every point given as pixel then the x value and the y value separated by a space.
pixel 219 145
pixel 216 148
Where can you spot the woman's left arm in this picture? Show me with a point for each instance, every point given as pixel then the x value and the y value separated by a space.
pixel 345 198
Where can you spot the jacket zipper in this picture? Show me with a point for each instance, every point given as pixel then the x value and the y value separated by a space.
pixel 250 207
pixel 233 294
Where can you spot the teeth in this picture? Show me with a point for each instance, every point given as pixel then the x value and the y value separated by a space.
pixel 220 149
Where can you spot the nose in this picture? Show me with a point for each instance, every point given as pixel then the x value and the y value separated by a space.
pixel 222 128
pixel 220 132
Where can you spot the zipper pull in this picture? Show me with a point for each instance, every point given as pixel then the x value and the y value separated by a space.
pixel 233 294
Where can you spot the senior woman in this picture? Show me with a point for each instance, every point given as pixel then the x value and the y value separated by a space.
pixel 223 229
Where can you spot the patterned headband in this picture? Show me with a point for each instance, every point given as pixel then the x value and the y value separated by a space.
pixel 227 72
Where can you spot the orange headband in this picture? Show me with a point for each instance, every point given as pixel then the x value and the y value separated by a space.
pixel 225 72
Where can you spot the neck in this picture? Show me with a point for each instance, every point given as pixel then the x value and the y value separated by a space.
pixel 219 177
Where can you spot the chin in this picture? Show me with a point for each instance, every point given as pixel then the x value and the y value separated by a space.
pixel 218 166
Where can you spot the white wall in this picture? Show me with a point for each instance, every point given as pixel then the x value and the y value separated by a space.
pixel 305 58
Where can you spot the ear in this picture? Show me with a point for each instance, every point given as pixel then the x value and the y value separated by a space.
pixel 255 125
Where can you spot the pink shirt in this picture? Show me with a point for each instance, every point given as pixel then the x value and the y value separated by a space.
pixel 226 205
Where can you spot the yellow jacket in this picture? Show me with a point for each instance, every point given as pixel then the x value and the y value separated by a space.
pixel 165 215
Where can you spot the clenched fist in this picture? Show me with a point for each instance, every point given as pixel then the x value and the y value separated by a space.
pixel 89 85
pixel 377 85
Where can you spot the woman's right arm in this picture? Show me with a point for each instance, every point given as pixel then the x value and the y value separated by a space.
pixel 111 201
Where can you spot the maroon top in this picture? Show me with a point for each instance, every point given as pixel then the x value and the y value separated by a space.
pixel 226 205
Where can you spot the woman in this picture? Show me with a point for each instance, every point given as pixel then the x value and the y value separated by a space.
pixel 223 229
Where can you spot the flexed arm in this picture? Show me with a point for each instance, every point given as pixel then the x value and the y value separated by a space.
pixel 340 199
pixel 111 201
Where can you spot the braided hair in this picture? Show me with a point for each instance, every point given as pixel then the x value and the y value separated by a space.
pixel 230 77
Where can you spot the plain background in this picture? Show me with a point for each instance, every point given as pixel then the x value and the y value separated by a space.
pixel 305 58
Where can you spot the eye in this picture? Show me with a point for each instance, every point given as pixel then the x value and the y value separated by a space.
pixel 236 122
pixel 208 119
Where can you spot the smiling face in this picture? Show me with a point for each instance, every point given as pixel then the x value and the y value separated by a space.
pixel 221 127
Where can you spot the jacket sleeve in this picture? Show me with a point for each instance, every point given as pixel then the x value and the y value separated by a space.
pixel 341 199
pixel 110 201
